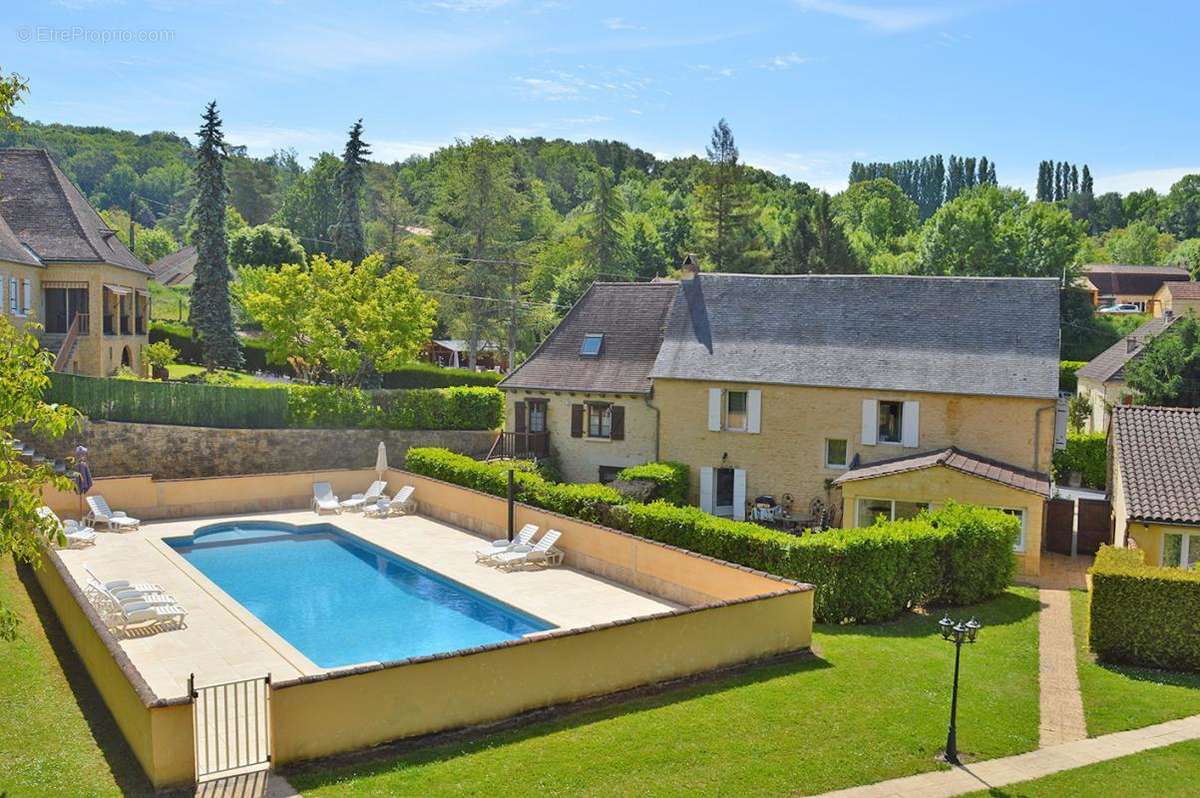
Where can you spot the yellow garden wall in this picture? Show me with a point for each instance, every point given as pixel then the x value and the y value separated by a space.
pixel 787 456
pixel 938 484
pixel 159 733
pixel 316 717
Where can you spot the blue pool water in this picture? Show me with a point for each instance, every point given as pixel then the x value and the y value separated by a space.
pixel 340 600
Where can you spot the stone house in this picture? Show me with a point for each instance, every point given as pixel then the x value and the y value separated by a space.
pixel 62 268
pixel 1177 299
pixel 1102 379
pixel 1154 482
pixel 1113 283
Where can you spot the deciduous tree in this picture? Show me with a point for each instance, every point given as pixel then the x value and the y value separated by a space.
pixel 1167 372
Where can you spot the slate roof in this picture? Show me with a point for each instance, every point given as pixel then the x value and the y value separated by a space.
pixel 48 215
pixel 175 268
pixel 11 248
pixel 1158 452
pixel 964 335
pixel 1109 365
pixel 630 315
pixel 957 460
pixel 1127 278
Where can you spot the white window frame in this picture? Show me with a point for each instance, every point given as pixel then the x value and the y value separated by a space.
pixel 1019 546
pixel 587 338
pixel 858 522
pixel 14 304
pixel 837 466
pixel 1184 548
pixel 605 409
pixel 899 422
pixel 745 425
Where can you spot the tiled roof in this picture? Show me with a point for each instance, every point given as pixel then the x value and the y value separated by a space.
pixel 1126 278
pixel 631 316
pixel 48 215
pixel 1109 365
pixel 964 335
pixel 1158 452
pixel 963 462
pixel 11 248
pixel 1188 290
pixel 176 267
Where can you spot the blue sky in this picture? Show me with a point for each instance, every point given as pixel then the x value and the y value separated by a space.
pixel 807 85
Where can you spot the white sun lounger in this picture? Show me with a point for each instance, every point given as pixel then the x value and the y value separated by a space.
pixel 128 595
pixel 373 495
pixel 522 539
pixel 401 504
pixel 101 513
pixel 124 615
pixel 323 498
pixel 77 536
pixel 123 584
pixel 543 552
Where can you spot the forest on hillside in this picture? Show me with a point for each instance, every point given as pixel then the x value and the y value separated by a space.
pixel 555 215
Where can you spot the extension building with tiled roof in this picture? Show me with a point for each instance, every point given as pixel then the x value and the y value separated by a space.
pixel 61 266
pixel 1154 482
pixel 1176 299
pixel 1101 381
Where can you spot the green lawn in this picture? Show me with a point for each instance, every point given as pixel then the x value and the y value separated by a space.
pixel 180 370
pixel 1116 697
pixel 872 706
pixel 56 736
pixel 1170 772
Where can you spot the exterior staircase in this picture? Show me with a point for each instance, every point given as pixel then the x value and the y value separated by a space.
pixel 31 456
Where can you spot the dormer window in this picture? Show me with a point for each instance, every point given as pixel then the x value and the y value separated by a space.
pixel 591 344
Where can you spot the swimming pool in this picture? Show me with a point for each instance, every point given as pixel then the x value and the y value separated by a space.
pixel 340 600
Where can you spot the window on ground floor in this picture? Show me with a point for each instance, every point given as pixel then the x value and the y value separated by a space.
pixel 871 510
pixel 1019 514
pixel 836 453
pixel 608 474
pixel 723 495
pixel 1181 550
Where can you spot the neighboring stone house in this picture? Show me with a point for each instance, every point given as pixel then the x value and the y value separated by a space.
pixel 1102 379
pixel 1177 299
pixel 62 267
pixel 902 391
pixel 1154 482
pixel 584 396
pixel 178 268
pixel 1113 283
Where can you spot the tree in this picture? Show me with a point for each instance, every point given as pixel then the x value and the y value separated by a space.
pixel 1045 182
pixel 153 243
pixel 875 215
pixel 1167 372
pixel 335 319
pixel 310 207
pixel 830 252
pixel 1109 213
pixel 253 187
pixel 394 213
pixel 645 251
pixel 349 242
pixel 24 376
pixel 1086 184
pixel 1137 243
pixel 1143 205
pixel 605 224
pixel 1187 255
pixel 724 202
pixel 1182 208
pixel 1074 180
pixel 211 315
pixel 265 245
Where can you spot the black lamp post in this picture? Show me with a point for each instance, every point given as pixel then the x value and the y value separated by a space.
pixel 956 633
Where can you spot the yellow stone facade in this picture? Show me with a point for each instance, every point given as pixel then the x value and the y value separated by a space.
pixel 1137 534
pixel 13 304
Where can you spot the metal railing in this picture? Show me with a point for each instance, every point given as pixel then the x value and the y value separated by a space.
pixel 232 723
pixel 515 445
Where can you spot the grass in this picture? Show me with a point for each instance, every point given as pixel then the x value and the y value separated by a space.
pixel 56 736
pixel 872 705
pixel 1120 697
pixel 1169 772
pixel 180 370
pixel 171 304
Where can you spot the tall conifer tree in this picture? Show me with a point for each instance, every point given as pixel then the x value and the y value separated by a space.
pixel 211 316
pixel 349 242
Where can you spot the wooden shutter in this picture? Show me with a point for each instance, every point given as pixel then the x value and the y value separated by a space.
pixel 753 411
pixel 910 425
pixel 28 306
pixel 618 423
pixel 518 416
pixel 739 494
pixel 714 409
pixel 870 422
pixel 707 475
pixel 576 421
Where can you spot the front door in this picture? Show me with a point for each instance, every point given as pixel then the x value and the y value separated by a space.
pixel 724 491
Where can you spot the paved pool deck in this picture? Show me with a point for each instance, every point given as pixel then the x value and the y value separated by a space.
pixel 223 641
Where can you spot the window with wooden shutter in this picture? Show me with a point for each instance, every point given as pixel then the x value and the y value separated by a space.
pixel 870 421
pixel 576 421
pixel 618 423
pixel 910 425
pixel 518 416
pixel 714 409
pixel 706 488
pixel 754 411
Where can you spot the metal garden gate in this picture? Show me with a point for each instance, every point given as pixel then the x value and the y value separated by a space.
pixel 232 726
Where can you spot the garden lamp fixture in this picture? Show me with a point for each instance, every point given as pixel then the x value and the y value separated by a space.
pixel 956 633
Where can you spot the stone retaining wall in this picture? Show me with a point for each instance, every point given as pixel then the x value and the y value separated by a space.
pixel 173 452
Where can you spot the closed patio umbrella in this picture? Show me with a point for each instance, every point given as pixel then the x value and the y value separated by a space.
pixel 381 460
pixel 82 476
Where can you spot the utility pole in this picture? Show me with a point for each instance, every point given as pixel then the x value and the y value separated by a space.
pixel 132 197
pixel 512 321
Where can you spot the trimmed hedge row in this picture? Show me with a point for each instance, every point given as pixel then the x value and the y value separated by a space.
pixel 329 406
pixel 957 555
pixel 671 479
pixel 1144 615
pixel 1087 453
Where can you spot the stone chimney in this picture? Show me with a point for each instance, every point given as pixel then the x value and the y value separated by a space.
pixel 690 266
pixel 1131 345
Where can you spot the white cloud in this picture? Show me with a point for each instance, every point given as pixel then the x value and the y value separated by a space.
pixel 549 89
pixel 619 23
pixel 1160 180
pixel 714 72
pixel 309 48
pixel 264 139
pixel 884 18
pixel 825 169
pixel 785 61
pixel 460 6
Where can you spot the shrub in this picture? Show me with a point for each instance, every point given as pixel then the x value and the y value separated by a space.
pixel 330 407
pixel 671 479
pixel 159 354
pixel 1143 615
pixel 976 551
pixel 1086 453
pixel 1066 374
pixel 445 408
pixel 427 375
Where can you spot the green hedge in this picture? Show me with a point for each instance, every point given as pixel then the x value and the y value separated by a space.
pixel 671 479
pixel 459 407
pixel 1144 615
pixel 427 375
pixel 181 403
pixel 957 555
pixel 1087 453
pixel 1066 374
